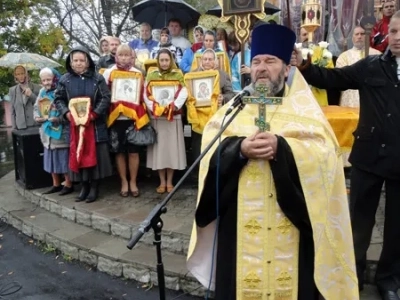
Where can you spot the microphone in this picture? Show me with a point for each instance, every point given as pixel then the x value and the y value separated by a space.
pixel 247 91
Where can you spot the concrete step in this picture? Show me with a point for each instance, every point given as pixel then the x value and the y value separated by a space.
pixel 101 250
pixel 121 217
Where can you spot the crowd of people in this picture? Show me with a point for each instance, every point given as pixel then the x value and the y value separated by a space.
pixel 142 93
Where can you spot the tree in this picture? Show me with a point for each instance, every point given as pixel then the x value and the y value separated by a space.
pixel 86 21
pixel 26 26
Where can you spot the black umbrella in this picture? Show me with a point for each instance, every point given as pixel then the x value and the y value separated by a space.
pixel 158 12
pixel 269 9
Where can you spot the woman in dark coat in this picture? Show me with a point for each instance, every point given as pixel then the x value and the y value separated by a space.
pixel 81 80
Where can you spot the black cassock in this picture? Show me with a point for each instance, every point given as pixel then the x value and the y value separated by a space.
pixel 291 201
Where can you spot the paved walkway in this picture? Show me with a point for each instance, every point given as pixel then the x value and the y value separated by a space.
pixel 97 233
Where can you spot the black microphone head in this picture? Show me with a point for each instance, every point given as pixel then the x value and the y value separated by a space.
pixel 248 90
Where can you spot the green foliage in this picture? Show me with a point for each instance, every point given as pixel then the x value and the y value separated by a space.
pixel 26 26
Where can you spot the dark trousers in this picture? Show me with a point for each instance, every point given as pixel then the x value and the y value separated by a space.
pixel 196 150
pixel 364 200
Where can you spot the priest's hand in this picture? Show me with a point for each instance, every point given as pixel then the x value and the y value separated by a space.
pixel 261 145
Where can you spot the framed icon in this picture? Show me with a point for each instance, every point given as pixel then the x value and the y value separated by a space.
pixel 203 87
pixel 126 87
pixel 44 105
pixel 80 109
pixel 164 92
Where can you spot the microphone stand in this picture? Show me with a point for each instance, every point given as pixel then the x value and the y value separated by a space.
pixel 154 221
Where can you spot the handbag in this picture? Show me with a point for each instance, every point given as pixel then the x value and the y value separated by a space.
pixel 145 136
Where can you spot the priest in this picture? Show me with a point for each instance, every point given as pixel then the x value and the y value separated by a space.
pixel 272 219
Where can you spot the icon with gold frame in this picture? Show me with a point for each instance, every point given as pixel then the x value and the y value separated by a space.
pixel 126 87
pixel 203 87
pixel 44 105
pixel 80 110
pixel 164 92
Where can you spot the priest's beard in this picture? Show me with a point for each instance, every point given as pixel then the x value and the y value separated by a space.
pixel 274 87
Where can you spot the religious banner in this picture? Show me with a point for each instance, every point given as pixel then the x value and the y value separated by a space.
pixel 141 56
pixel 202 103
pixel 82 140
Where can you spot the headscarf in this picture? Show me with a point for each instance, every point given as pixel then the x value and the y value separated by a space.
pixel 171 56
pixel 169 41
pixel 216 47
pixel 27 79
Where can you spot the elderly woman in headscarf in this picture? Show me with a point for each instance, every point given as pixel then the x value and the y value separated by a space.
pixel 22 97
pixel 89 158
pixel 168 153
pixel 53 133
pixel 186 63
pixel 165 42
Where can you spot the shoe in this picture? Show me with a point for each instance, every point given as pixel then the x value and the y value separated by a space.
pixel 124 194
pixel 389 295
pixel 135 194
pixel 66 190
pixel 170 188
pixel 94 191
pixel 161 189
pixel 84 192
pixel 54 189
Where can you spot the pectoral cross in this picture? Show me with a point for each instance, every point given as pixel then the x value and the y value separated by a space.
pixel 261 100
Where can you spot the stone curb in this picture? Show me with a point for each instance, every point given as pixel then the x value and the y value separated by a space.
pixel 172 241
pixel 137 264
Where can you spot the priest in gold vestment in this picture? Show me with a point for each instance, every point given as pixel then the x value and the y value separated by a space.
pixel 351 98
pixel 277 227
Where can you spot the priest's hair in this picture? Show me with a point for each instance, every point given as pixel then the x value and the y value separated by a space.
pixel 46 71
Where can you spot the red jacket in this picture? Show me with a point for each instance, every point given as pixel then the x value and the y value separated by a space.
pixel 381 29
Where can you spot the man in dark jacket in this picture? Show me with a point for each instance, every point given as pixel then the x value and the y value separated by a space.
pixel 108 60
pixel 375 156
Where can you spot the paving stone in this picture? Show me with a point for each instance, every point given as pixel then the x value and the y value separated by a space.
pixel 113 248
pixel 88 257
pixel 68 213
pixel 90 240
pixel 70 232
pixel 84 218
pixel 122 230
pixel 44 203
pixel 70 250
pixel 131 271
pixel 27 229
pixel 101 223
pixel 55 208
pixel 109 266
